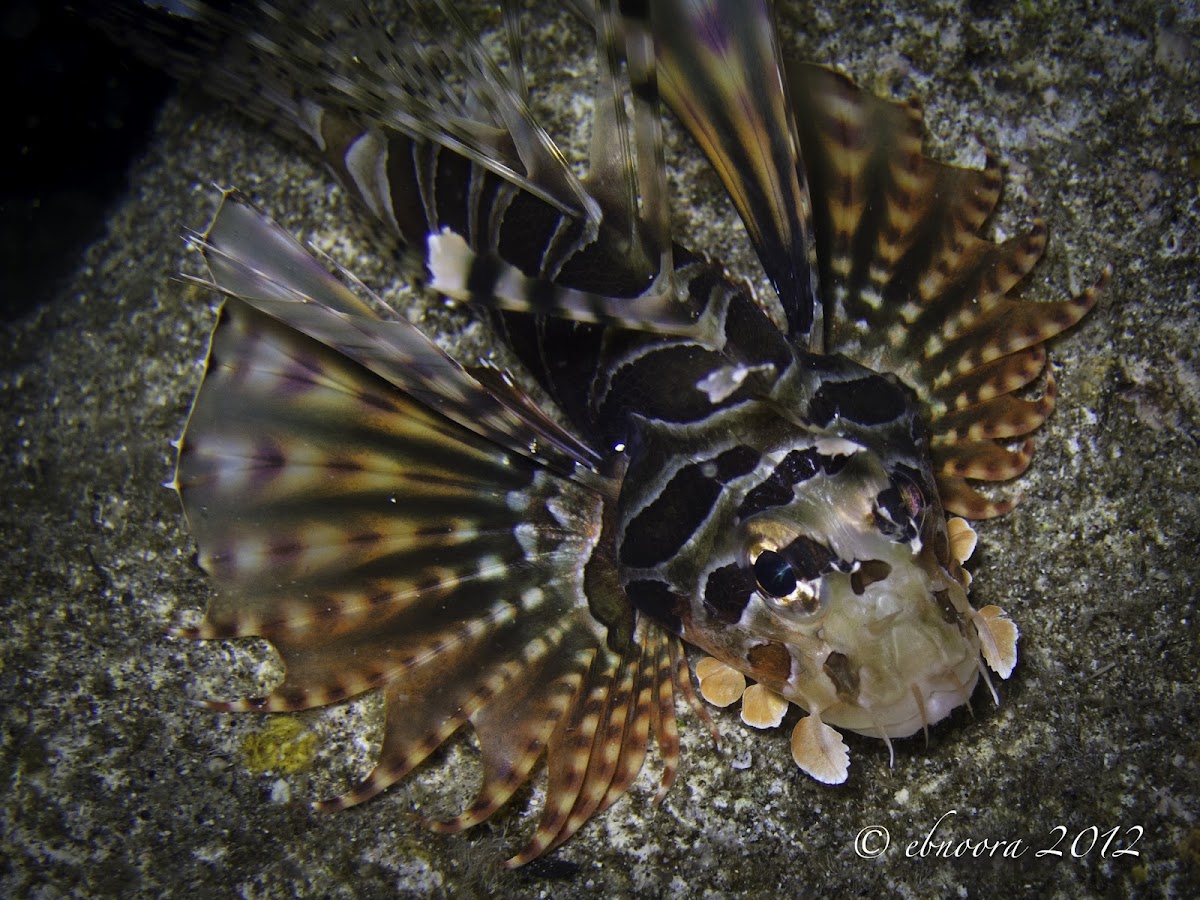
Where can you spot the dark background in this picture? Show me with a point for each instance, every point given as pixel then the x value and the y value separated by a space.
pixel 79 109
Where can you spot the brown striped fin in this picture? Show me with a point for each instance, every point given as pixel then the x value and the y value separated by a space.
pixel 911 287
pixel 719 70
pixel 360 507
pixel 250 257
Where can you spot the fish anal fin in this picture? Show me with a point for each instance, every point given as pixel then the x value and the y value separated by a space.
pixel 582 754
pixel 1010 327
pixel 982 460
pixel 960 499
pixel 1002 417
pixel 673 678
pixel 514 725
pixel 620 748
pixel 652 716
pixel 598 749
pixel 988 381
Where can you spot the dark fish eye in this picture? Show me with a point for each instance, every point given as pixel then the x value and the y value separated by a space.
pixel 774 574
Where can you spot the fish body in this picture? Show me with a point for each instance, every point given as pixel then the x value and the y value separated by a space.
pixel 773 490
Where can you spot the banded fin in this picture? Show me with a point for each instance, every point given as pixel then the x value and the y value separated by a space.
pixel 720 71
pixel 910 287
pixel 459 272
pixel 250 257
pixel 357 509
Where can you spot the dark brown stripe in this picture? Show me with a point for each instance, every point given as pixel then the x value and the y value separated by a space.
pixel 452 174
pixel 871 400
pixel 656 600
pixel 658 532
pixel 404 190
pixel 662 528
pixel 843 675
pixel 661 385
pixel 727 592
pixel 869 572
pixel 777 489
pixel 529 225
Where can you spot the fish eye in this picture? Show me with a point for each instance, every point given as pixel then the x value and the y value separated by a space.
pixel 783 587
pixel 788 568
pixel 774 574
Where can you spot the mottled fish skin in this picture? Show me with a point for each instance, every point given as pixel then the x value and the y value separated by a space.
pixel 393 520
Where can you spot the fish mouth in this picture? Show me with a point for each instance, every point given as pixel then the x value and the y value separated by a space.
pixel 929 699
pixel 934 699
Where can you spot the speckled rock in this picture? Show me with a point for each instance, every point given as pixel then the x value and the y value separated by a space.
pixel 116 784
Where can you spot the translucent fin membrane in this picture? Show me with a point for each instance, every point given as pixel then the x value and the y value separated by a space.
pixel 387 522
pixel 721 73
pixel 910 286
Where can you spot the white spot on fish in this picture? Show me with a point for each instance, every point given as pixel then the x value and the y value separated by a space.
pixel 491 566
pixel 722 382
pixel 526 535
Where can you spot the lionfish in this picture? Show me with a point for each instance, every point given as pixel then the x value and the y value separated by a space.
pixel 778 484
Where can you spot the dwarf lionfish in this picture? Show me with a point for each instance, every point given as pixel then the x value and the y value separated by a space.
pixel 767 482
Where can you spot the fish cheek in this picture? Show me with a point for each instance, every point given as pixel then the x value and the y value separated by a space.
pixel 771 664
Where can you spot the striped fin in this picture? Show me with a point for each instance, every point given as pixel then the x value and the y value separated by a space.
pixel 383 537
pixel 458 271
pixel 251 257
pixel 435 135
pixel 719 70
pixel 612 163
pixel 911 287
pixel 632 288
pixel 477 184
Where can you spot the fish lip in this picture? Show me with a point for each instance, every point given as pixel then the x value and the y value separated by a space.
pixel 939 693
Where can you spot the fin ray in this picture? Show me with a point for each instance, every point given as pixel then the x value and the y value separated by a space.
pixel 915 290
pixel 355 511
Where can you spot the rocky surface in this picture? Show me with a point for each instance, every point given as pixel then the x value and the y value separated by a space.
pixel 115 784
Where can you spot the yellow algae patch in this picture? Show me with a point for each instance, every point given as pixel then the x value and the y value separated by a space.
pixel 283 745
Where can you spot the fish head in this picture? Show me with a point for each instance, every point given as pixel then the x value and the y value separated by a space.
pixel 855 607
pixel 814 558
